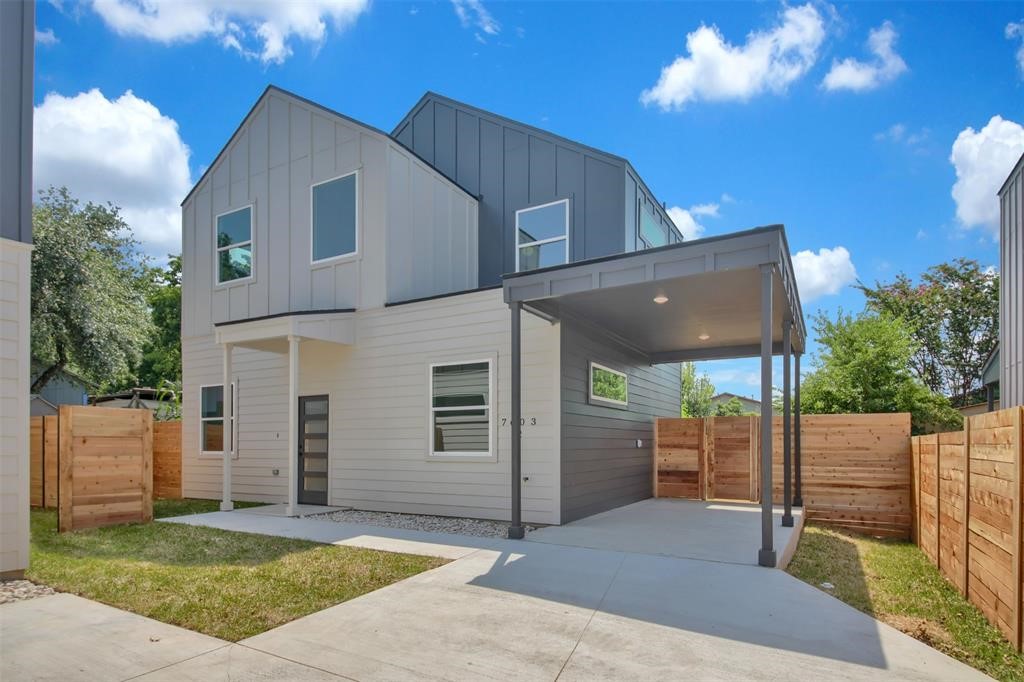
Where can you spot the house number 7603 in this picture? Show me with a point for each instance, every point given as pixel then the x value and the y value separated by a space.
pixel 522 422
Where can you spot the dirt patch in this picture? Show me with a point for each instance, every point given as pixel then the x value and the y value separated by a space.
pixel 922 629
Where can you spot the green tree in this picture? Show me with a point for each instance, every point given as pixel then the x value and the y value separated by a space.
pixel 161 356
pixel 89 285
pixel 696 391
pixel 864 366
pixel 730 408
pixel 953 315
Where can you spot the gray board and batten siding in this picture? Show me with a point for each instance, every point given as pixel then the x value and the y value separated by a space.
pixel 510 166
pixel 1011 299
pixel 16 40
pixel 601 465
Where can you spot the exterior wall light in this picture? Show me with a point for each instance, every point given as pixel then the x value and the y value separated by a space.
pixel 661 298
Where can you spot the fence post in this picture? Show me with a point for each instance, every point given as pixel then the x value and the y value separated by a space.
pixel 1018 438
pixel 967 506
pixel 709 458
pixel 64 469
pixel 701 472
pixel 938 503
pixel 147 466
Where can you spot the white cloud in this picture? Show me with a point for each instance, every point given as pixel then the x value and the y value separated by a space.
pixel 1016 30
pixel 823 273
pixel 901 134
pixel 728 198
pixel 123 151
pixel 858 76
pixel 46 38
pixel 687 224
pixel 735 376
pixel 709 210
pixel 715 70
pixel 255 28
pixel 982 160
pixel 472 13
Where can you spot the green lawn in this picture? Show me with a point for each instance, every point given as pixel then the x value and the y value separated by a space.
pixel 221 583
pixel 893 581
pixel 165 508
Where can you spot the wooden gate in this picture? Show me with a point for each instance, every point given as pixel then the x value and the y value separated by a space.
pixel 732 457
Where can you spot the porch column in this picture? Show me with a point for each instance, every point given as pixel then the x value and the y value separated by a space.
pixel 766 556
pixel 516 530
pixel 787 427
pixel 293 423
pixel 227 411
pixel 798 498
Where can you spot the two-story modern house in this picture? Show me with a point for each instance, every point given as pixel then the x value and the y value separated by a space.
pixel 346 297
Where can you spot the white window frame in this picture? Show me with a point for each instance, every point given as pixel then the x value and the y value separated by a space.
pixel 252 246
pixel 341 256
pixel 233 421
pixel 491 455
pixel 600 400
pixel 549 240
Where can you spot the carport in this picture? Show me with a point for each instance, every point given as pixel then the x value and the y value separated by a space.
pixel 723 297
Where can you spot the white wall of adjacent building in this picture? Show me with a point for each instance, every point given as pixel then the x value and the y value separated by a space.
pixel 15 290
pixel 380 432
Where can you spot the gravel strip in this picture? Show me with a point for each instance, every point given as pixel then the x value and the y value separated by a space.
pixel 434 524
pixel 20 590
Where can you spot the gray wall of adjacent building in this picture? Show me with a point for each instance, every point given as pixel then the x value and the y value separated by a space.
pixel 511 166
pixel 17 37
pixel 1011 299
pixel 602 468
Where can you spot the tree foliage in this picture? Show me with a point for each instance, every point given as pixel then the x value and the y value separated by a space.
pixel 696 392
pixel 161 356
pixel 953 315
pixel 730 408
pixel 864 366
pixel 89 285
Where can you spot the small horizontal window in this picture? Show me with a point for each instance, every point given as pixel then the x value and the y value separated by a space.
pixel 234 245
pixel 334 218
pixel 460 409
pixel 608 385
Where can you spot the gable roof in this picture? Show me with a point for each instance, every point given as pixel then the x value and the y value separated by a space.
pixel 271 88
pixel 430 95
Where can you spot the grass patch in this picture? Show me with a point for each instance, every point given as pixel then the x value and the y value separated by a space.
pixel 221 583
pixel 163 509
pixel 893 581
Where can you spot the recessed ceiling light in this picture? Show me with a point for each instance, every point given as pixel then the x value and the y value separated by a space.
pixel 661 298
pixel 704 337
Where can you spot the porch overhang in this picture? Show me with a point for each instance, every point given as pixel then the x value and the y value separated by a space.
pixel 271 333
pixel 712 287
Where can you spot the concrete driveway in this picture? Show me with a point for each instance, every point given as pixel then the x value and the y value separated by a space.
pixel 544 611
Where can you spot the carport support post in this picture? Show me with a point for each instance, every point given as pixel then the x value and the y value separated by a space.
pixel 293 424
pixel 798 498
pixel 226 411
pixel 787 427
pixel 766 556
pixel 516 530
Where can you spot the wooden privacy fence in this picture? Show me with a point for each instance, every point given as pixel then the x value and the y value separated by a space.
pixel 967 490
pixel 100 466
pixel 855 468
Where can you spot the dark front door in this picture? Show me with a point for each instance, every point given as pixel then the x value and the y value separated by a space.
pixel 313 449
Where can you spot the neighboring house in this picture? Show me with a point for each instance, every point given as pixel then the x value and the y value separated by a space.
pixel 749 404
pixel 990 380
pixel 354 288
pixel 64 388
pixel 134 398
pixel 1010 352
pixel 41 407
pixel 17 35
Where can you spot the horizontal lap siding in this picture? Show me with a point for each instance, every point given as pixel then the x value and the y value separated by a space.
pixel 379 429
pixel 601 466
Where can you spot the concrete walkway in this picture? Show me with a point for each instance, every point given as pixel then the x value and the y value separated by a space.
pixel 545 611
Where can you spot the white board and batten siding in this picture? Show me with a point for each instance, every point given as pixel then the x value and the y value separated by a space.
pixel 379 412
pixel 415 228
pixel 15 278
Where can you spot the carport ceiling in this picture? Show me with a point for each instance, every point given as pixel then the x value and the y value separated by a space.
pixel 712 287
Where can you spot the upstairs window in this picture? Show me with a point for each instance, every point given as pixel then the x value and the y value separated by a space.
pixel 652 231
pixel 542 234
pixel 460 409
pixel 334 218
pixel 234 245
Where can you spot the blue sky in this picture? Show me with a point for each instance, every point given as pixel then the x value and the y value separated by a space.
pixel 849 123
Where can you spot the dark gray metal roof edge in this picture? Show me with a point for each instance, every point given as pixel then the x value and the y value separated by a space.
pixel 787 260
pixel 430 94
pixel 1017 168
pixel 490 287
pixel 764 229
pixel 328 110
pixel 293 313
